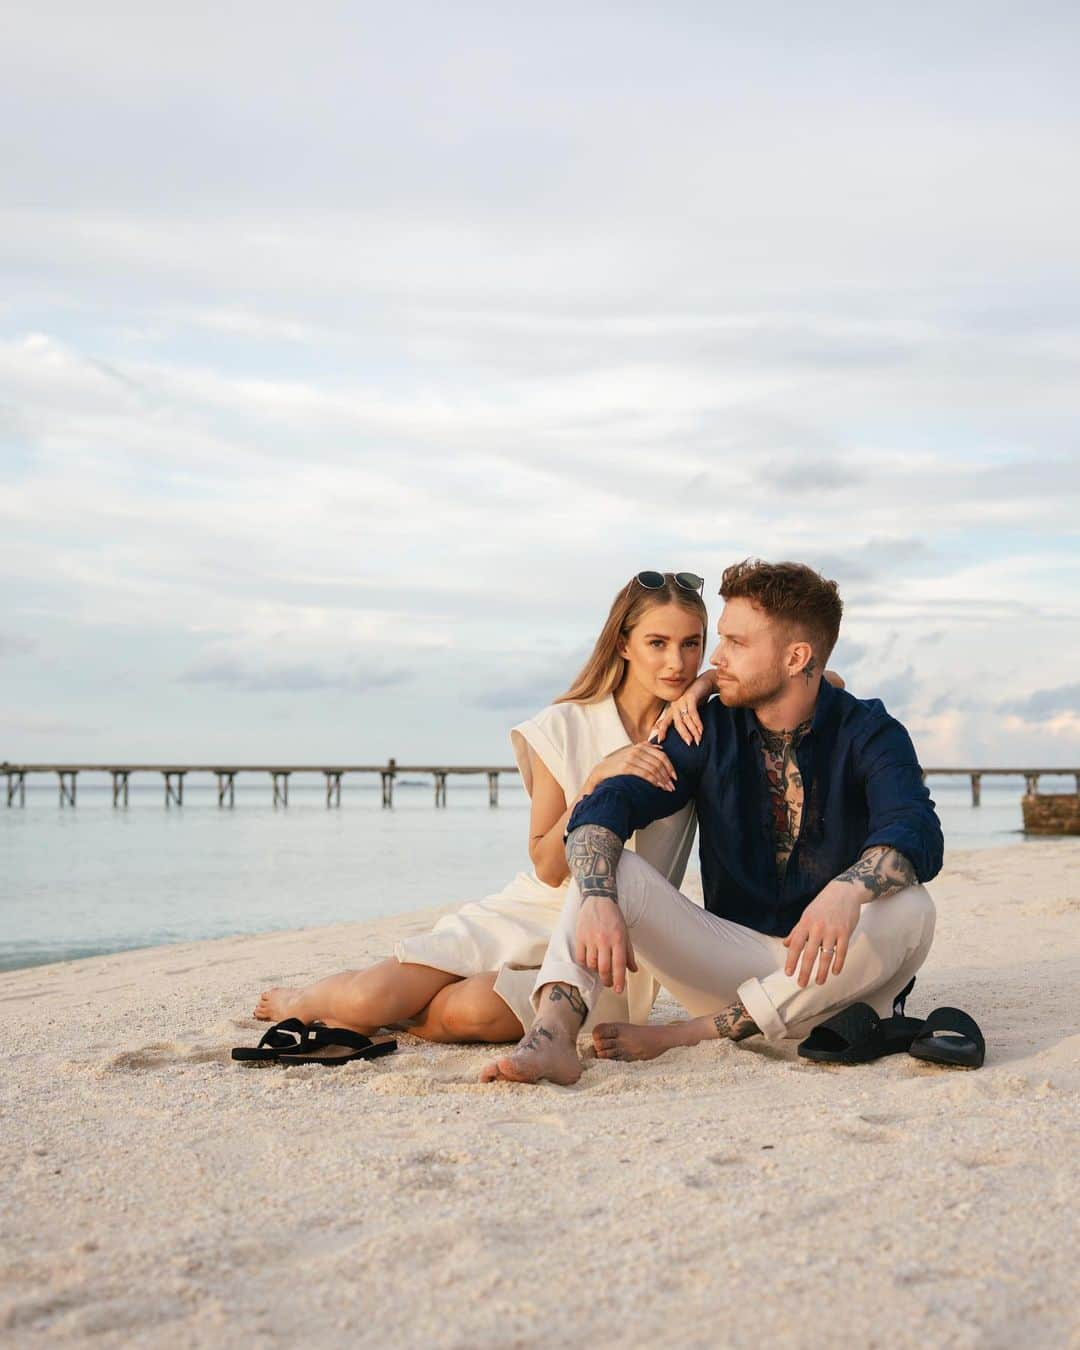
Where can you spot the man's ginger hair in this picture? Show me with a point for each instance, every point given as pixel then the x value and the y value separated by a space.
pixel 792 592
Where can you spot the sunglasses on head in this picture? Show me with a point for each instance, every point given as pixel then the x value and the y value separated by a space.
pixel 687 581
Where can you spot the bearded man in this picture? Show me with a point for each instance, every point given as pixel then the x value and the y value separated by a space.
pixel 816 832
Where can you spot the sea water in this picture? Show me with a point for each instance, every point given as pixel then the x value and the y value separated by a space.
pixel 85 880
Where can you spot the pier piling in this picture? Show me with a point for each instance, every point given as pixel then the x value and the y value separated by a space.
pixel 387 776
pixel 976 789
pixel 67 786
pixel 119 787
pixel 226 787
pixel 281 787
pixel 174 792
pixel 16 783
pixel 493 787
pixel 333 787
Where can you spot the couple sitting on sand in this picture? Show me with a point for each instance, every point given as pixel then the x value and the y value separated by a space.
pixel 816 830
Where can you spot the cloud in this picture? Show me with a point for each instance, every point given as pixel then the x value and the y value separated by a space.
pixel 1046 704
pixel 15 644
pixel 292 679
pixel 486 324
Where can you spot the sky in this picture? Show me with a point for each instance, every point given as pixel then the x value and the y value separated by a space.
pixel 353 356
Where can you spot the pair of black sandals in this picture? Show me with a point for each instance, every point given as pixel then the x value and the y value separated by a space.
pixel 857 1035
pixel 296 1042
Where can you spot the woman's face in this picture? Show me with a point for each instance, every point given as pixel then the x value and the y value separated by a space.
pixel 663 650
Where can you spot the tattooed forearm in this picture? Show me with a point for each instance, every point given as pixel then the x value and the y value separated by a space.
pixel 810 670
pixel 882 870
pixel 735 1023
pixel 566 992
pixel 593 852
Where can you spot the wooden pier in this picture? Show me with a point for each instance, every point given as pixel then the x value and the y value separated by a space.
pixel 173 776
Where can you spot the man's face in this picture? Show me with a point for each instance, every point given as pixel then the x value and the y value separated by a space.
pixel 749 660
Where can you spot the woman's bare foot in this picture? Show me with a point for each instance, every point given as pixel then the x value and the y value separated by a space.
pixel 623 1040
pixel 547 1054
pixel 275 1005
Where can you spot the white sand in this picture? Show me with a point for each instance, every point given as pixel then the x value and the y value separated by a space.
pixel 157 1194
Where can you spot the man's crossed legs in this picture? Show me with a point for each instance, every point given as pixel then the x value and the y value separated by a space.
pixel 729 978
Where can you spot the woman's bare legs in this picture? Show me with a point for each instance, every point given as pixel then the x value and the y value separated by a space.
pixel 362 1000
pixel 468 1011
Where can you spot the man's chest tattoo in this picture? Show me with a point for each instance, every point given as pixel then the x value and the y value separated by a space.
pixel 785 789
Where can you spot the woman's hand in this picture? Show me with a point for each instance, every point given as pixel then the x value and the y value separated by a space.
pixel 643 761
pixel 684 711
pixel 837 681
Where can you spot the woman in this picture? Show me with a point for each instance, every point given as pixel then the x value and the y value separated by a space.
pixel 471 977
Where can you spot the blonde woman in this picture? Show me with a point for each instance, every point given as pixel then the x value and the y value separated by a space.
pixel 471 977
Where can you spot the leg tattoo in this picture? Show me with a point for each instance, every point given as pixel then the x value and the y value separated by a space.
pixel 567 992
pixel 735 1023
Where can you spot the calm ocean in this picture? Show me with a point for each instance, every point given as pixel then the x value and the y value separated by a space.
pixel 85 881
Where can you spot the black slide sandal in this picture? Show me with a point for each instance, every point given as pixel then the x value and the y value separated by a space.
pixel 857 1035
pixel 950 1037
pixel 287 1035
pixel 335 1045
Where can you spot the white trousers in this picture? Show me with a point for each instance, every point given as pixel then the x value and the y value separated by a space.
pixel 708 962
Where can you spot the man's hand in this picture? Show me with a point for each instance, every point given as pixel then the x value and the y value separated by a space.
pixel 823 932
pixel 603 944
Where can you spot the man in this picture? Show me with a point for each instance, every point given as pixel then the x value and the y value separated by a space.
pixel 816 832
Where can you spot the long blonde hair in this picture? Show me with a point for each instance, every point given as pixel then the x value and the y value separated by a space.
pixel 603 672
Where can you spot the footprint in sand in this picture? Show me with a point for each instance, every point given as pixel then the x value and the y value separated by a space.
pixel 164 1053
pixel 989 1158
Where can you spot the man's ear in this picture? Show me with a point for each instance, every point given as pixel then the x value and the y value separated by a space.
pixel 801 660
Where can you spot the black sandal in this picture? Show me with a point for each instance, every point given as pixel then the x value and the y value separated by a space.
pixel 287 1035
pixel 857 1035
pixel 949 1036
pixel 334 1045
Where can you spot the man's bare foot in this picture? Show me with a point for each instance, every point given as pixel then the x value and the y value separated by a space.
pixel 546 1054
pixel 275 1005
pixel 623 1040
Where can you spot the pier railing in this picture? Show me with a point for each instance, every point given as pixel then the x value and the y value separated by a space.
pixel 173 776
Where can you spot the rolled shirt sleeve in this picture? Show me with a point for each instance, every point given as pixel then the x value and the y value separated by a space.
pixel 627 803
pixel 901 811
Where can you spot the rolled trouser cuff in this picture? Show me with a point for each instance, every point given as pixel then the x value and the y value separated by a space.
pixel 760 1007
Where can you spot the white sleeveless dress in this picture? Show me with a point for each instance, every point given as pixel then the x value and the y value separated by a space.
pixel 509 932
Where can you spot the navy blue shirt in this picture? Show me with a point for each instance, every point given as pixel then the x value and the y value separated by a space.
pixel 862 785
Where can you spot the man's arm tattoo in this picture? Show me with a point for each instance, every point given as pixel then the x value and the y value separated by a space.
pixel 882 870
pixel 593 852
pixel 735 1023
pixel 567 993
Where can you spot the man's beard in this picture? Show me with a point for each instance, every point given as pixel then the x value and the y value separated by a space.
pixel 752 693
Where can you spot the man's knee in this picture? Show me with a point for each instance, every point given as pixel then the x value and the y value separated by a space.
pixel 636 880
pixel 908 918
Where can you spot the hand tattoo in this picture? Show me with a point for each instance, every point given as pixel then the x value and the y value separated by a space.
pixel 735 1023
pixel 568 994
pixel 882 870
pixel 810 670
pixel 593 852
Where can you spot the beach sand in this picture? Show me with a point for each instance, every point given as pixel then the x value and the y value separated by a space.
pixel 155 1193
